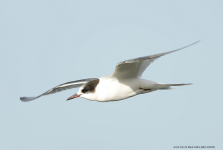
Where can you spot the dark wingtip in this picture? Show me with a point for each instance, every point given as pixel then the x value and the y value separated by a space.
pixel 22 99
pixel 196 42
pixel 27 99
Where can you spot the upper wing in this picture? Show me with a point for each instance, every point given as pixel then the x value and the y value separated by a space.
pixel 65 86
pixel 135 67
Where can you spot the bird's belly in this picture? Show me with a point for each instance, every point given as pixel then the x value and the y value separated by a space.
pixel 115 92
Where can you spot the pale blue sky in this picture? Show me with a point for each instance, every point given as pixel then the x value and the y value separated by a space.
pixel 49 42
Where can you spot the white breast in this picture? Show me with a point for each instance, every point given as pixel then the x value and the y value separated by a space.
pixel 112 89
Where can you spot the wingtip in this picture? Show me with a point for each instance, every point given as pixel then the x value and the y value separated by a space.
pixel 22 99
pixel 27 99
pixel 196 42
pixel 188 45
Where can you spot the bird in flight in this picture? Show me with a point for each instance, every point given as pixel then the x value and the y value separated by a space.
pixel 125 82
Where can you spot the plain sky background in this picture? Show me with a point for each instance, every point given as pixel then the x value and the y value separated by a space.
pixel 44 43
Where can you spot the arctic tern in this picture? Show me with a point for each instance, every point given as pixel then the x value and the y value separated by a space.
pixel 125 82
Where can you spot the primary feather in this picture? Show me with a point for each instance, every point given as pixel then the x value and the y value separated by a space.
pixel 61 87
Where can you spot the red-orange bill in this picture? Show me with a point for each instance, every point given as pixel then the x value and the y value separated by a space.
pixel 73 96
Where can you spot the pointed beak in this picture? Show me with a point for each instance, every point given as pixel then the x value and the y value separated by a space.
pixel 73 96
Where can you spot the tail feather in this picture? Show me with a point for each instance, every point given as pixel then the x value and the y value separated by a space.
pixel 168 86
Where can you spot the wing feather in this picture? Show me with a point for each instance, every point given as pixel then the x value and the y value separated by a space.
pixel 135 67
pixel 61 87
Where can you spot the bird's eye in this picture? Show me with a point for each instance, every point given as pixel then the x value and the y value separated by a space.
pixel 84 90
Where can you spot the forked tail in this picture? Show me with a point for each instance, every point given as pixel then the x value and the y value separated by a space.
pixel 168 86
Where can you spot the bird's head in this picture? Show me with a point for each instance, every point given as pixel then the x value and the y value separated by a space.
pixel 86 90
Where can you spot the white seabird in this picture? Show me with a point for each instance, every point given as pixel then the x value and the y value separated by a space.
pixel 125 82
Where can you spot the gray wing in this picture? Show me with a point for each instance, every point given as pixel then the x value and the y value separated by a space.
pixel 135 67
pixel 62 87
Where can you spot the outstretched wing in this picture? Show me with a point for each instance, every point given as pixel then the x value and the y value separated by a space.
pixel 65 86
pixel 135 67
